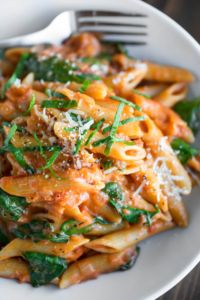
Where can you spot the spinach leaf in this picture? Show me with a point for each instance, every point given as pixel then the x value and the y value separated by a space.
pixel 55 69
pixel 3 238
pixel 189 111
pixel 183 150
pixel 36 230
pixel 11 207
pixel 72 227
pixel 53 94
pixel 59 103
pixel 113 190
pixel 107 164
pixel 130 214
pixel 131 262
pixel 44 268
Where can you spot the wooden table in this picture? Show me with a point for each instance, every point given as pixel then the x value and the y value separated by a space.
pixel 186 13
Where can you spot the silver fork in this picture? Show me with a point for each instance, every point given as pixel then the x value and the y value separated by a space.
pixel 125 28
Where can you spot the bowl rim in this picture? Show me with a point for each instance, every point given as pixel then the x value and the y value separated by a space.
pixel 195 45
pixel 177 278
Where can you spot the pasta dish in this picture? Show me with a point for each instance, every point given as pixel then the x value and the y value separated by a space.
pixel 95 155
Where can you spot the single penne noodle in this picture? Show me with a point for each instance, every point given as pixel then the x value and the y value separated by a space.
pixel 149 188
pixel 97 90
pixel 93 266
pixel 118 151
pixel 162 73
pixel 165 118
pixel 172 94
pixel 125 81
pixel 151 90
pixel 29 185
pixel 194 163
pixel 178 211
pixel 17 247
pixel 110 214
pixel 15 268
pixel 122 239
pixel 101 229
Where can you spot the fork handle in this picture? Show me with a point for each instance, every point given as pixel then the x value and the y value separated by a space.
pixel 26 40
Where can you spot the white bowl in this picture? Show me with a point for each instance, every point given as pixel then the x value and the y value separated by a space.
pixel 165 259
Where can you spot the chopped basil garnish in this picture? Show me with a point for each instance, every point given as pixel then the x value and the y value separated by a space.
pixel 96 128
pixel 32 103
pixel 141 94
pixel 123 122
pixel 17 152
pixel 17 73
pixel 84 86
pixel 109 140
pixel 126 102
pixel 52 159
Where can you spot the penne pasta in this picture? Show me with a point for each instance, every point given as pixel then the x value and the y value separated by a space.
pixel 120 240
pixel 17 247
pixel 94 158
pixel 93 266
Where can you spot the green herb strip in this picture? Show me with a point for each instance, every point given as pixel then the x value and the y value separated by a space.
pixel 183 150
pixel 17 152
pixel 52 159
pixel 141 94
pixel 84 86
pixel 10 135
pixel 96 128
pixel 79 143
pixel 17 73
pixel 123 122
pixel 109 140
pixel 59 104
pixel 53 94
pixel 32 103
pixel 48 162
pixel 44 268
pixel 126 102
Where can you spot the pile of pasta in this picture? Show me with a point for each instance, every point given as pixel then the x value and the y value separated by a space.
pixel 95 155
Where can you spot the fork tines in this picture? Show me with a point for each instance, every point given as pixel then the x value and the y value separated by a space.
pixel 126 28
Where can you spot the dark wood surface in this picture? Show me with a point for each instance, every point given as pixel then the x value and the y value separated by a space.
pixel 186 13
